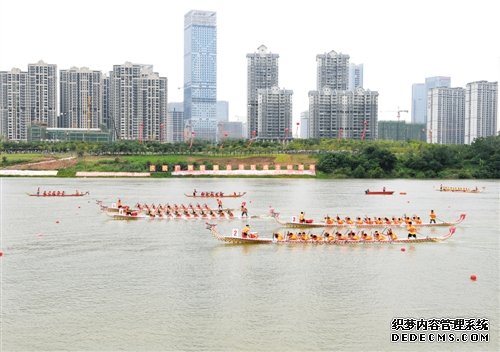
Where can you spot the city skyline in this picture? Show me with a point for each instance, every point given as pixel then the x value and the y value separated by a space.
pixel 393 41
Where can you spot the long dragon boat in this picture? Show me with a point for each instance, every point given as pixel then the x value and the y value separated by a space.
pixel 296 224
pixel 255 239
pixel 459 189
pixel 216 195
pixel 128 214
pixel 61 194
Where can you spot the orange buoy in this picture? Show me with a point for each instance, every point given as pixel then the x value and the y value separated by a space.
pixel 1 254
pixel 403 249
pixel 473 277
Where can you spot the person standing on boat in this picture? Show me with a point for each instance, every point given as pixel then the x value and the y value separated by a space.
pixel 412 231
pixel 433 216
pixel 383 189
pixel 244 211
pixel 219 203
pixel 194 192
pixel 38 191
pixel 302 218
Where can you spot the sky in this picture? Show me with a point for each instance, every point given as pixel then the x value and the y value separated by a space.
pixel 398 42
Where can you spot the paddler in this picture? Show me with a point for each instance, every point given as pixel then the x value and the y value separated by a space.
pixel 378 236
pixel 432 216
pixel 365 236
pixel 391 235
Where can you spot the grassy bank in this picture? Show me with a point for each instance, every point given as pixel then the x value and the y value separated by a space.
pixel 141 163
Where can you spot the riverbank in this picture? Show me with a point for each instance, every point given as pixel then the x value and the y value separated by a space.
pixel 159 166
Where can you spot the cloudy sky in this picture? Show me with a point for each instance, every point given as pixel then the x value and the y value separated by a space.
pixel 399 42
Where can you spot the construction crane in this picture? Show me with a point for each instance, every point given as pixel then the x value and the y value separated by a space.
pixel 399 117
pixel 398 111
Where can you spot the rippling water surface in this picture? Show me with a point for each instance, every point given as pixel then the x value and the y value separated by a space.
pixel 74 279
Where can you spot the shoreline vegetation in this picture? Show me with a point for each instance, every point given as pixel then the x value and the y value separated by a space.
pixel 333 158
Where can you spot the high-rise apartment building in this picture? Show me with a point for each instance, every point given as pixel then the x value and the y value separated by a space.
pixel 42 88
pixel 14 105
pixel 418 103
pixel 481 99
pixel 274 114
pixel 150 105
pixel 333 71
pixel 355 76
pixel 138 103
pixel 81 98
pixel 336 111
pixel 420 93
pixel 200 73
pixel 446 115
pixel 121 108
pixel 343 114
pixel 262 73
pixel 106 96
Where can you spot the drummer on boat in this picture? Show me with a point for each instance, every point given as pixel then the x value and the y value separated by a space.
pixel 245 231
pixel 302 218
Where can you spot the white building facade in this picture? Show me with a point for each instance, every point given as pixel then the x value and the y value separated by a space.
pixel 343 114
pixel 446 115
pixel 481 110
pixel 14 105
pixel 332 71
pixel 274 114
pixel 262 73
pixel 81 102
pixel 42 87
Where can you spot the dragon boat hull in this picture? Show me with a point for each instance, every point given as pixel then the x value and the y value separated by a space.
pixel 240 240
pixel 237 195
pixel 305 225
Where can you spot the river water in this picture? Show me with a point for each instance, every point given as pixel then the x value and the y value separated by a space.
pixel 74 279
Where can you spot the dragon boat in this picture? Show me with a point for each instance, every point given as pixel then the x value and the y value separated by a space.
pixel 236 238
pixel 311 224
pixel 57 195
pixel 136 214
pixel 459 189
pixel 216 195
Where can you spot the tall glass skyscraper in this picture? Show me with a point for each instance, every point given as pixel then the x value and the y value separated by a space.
pixel 200 73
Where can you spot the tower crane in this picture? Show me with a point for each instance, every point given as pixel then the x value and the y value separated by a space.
pixel 397 128
pixel 398 111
